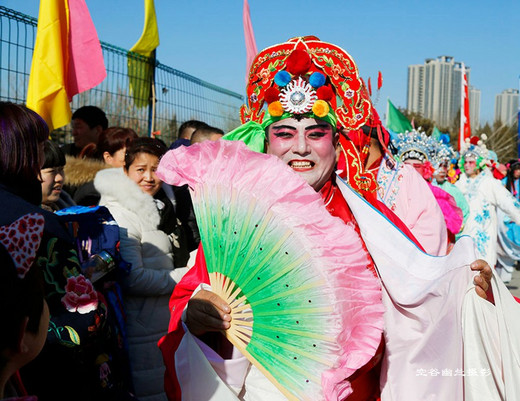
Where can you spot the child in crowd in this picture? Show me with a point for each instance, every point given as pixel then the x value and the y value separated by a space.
pixel 53 178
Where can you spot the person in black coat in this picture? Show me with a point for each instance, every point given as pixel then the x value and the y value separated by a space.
pixel 72 360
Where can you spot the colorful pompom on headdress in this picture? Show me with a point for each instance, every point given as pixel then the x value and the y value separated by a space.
pixel 305 76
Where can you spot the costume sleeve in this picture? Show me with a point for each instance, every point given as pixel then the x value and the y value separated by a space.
pixel 423 215
pixel 451 212
pixel 506 202
pixel 169 343
pixel 461 202
pixel 184 289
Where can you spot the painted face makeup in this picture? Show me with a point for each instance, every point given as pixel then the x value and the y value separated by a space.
pixel 416 164
pixel 470 167
pixel 307 146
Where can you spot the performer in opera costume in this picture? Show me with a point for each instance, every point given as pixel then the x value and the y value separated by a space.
pixel 417 149
pixel 485 196
pixel 443 155
pixel 300 80
pixel 508 251
pixel 366 162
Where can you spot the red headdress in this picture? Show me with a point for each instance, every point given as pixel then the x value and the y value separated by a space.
pixel 306 76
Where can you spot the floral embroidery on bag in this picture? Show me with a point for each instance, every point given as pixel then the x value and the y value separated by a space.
pixel 80 295
pixel 52 264
pixel 66 335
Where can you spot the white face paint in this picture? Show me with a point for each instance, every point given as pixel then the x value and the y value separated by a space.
pixel 470 166
pixel 308 146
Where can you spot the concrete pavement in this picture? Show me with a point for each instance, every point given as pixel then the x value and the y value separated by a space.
pixel 514 284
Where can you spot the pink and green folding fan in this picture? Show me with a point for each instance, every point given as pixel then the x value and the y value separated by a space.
pixel 305 310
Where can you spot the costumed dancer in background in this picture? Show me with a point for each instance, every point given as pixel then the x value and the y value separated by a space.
pixel 299 80
pixel 485 196
pixel 442 158
pixel 416 149
pixel 508 250
pixel 367 164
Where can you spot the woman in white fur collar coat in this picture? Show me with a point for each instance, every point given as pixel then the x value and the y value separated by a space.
pixel 152 240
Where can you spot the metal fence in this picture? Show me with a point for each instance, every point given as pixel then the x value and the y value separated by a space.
pixel 179 96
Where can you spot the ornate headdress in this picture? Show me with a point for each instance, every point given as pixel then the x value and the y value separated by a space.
pixel 442 153
pixel 414 144
pixel 476 148
pixel 307 77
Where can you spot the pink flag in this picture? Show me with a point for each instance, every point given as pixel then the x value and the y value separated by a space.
pixel 86 68
pixel 465 127
pixel 249 38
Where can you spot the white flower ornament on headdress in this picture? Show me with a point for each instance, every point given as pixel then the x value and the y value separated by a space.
pixel 414 144
pixel 298 97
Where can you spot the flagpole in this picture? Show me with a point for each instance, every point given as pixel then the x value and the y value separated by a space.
pixel 151 105
pixel 462 90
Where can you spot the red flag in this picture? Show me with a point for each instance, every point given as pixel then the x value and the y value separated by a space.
pixel 465 127
pixel 379 80
pixel 369 87
pixel 250 39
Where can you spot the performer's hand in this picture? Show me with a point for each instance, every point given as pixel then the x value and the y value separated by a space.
pixel 483 280
pixel 206 311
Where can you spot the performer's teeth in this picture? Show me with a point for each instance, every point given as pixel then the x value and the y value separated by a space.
pixel 302 164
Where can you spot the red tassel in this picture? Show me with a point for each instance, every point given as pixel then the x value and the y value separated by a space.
pixel 369 87
pixel 379 80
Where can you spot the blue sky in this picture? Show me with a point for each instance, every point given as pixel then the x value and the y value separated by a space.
pixel 205 37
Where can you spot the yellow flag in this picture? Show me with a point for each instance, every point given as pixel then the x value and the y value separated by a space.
pixel 47 94
pixel 149 39
pixel 67 59
pixel 140 71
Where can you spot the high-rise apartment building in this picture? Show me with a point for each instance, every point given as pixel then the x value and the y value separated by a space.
pixel 434 89
pixel 474 107
pixel 506 106
pixel 415 88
